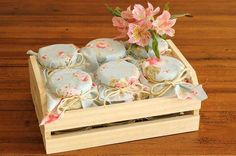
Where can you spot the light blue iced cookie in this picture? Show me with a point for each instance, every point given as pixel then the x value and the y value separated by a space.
pixel 115 78
pixel 58 55
pixel 167 68
pixel 69 82
pixel 115 72
pixel 102 50
pixel 105 49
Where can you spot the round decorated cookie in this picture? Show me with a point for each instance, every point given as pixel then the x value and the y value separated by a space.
pixel 117 73
pixel 58 55
pixel 167 68
pixel 105 49
pixel 69 82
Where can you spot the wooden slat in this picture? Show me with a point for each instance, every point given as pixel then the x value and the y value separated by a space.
pixel 37 88
pixel 120 112
pixel 117 134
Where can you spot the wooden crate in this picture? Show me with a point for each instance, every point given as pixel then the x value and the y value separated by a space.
pixel 170 116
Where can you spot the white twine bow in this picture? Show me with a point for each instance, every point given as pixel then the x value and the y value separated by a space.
pixel 64 105
pixel 135 89
pixel 168 84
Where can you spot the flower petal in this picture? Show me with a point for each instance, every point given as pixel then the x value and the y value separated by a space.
pixel 139 12
pixel 164 16
pixel 151 11
pixel 172 22
pixel 119 22
pixel 170 32
pixel 127 14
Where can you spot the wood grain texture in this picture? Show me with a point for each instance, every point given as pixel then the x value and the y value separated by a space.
pixel 207 41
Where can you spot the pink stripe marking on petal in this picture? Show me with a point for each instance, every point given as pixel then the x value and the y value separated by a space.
pixel 44 57
pixel 61 53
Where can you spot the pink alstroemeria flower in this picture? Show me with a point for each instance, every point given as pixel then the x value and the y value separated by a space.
pixel 122 26
pixel 138 33
pixel 128 15
pixel 163 24
pixel 140 13
pixel 150 11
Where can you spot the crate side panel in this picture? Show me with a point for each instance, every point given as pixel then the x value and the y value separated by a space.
pixel 35 92
pixel 179 55
pixel 36 97
pixel 123 133
pixel 123 111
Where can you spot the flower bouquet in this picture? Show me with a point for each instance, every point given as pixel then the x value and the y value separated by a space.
pixel 145 27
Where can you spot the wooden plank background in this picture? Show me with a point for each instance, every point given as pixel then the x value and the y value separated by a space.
pixel 207 40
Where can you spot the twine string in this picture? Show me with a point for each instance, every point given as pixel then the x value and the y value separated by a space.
pixel 31 52
pixel 60 108
pixel 75 99
pixel 135 89
pixel 168 84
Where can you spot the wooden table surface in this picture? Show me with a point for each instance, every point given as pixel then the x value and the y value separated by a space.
pixel 207 40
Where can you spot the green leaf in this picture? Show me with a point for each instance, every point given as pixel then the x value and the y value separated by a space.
pixel 167 6
pixel 181 15
pixel 164 36
pixel 146 48
pixel 110 9
pixel 118 9
pixel 155 44
pixel 114 12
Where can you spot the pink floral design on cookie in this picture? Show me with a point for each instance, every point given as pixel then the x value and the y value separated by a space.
pixel 152 60
pixel 119 85
pixel 45 57
pixel 61 53
pixel 67 90
pixel 71 92
pixel 102 44
pixel 77 74
pixel 84 78
pixel 190 95
pixel 94 84
pixel 132 81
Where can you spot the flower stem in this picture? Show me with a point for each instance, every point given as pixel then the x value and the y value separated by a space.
pixel 155 44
